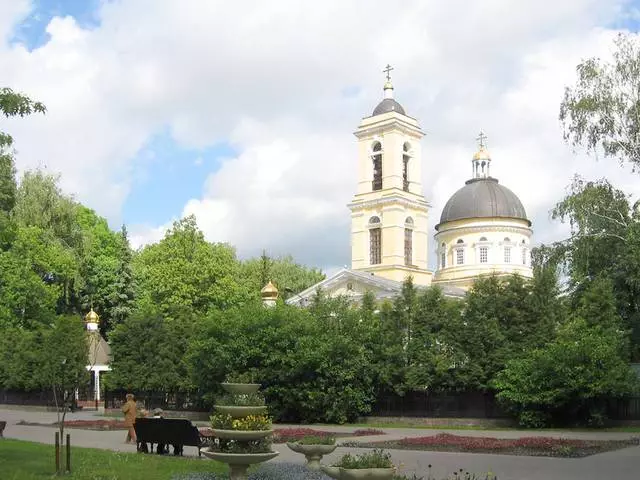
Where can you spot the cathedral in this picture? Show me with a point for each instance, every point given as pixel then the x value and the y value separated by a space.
pixel 483 228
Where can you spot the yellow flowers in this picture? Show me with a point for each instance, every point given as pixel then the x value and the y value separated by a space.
pixel 250 422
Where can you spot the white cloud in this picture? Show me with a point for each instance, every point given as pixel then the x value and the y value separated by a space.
pixel 269 78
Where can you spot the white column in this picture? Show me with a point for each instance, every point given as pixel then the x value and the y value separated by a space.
pixel 96 384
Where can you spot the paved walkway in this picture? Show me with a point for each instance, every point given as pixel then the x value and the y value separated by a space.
pixel 620 465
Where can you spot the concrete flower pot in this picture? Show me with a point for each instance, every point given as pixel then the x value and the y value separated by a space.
pixel 366 473
pixel 313 453
pixel 239 462
pixel 333 472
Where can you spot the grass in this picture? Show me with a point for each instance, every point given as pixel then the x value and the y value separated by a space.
pixel 22 460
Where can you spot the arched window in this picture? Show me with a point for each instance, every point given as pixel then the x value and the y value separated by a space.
pixel 406 156
pixel 375 241
pixel 484 254
pixel 524 252
pixel 375 246
pixel 443 255
pixel 376 184
pixel 507 254
pixel 460 252
pixel 408 241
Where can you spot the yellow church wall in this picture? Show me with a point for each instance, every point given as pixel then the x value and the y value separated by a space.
pixel 470 231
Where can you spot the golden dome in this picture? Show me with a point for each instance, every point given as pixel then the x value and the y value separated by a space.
pixel 92 317
pixel 269 291
pixel 388 85
pixel 482 154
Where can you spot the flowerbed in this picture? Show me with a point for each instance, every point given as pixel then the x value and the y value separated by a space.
pixel 96 424
pixel 84 424
pixel 282 435
pixel 533 446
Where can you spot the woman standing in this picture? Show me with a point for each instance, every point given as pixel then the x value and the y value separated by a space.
pixel 130 410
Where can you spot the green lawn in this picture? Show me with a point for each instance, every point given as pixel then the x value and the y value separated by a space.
pixel 21 460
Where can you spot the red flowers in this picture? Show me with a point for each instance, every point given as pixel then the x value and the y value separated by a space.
pixel 282 435
pixel 493 444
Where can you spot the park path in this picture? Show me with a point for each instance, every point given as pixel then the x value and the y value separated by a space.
pixel 621 464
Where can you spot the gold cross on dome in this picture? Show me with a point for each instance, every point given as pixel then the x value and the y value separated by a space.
pixel 481 139
pixel 387 70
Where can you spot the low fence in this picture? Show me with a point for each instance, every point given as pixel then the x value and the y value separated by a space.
pixel 40 398
pixel 478 405
pixel 425 404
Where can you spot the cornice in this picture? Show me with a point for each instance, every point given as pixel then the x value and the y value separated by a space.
pixel 484 228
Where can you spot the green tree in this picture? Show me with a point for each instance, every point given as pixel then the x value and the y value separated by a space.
pixel 11 104
pixel 567 380
pixel 289 277
pixel 122 299
pixel 604 243
pixel 64 358
pixel 432 348
pixel 601 111
pixel 185 273
pixel 149 353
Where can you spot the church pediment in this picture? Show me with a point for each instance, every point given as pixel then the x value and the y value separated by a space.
pixel 349 283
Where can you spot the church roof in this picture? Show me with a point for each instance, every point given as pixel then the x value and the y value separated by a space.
pixel 388 105
pixel 99 349
pixel 381 287
pixel 483 198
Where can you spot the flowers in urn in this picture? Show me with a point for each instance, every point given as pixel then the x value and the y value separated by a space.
pixel 313 447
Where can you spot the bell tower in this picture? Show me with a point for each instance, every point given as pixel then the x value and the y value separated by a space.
pixel 389 214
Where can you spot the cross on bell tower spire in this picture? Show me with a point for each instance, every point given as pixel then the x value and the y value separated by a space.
pixel 388 86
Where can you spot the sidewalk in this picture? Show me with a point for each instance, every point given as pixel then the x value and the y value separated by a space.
pixel 620 464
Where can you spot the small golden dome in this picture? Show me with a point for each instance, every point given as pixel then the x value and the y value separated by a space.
pixel 388 85
pixel 269 291
pixel 92 317
pixel 482 154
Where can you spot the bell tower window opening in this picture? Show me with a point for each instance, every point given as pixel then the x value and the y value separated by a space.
pixel 375 246
pixel 376 156
pixel 408 246
pixel 406 156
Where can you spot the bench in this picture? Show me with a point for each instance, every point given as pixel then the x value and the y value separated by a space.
pixel 167 431
pixel 2 425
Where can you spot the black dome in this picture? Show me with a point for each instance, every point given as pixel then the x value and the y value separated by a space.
pixel 388 105
pixel 482 198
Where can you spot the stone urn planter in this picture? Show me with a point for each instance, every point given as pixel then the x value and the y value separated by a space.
pixel 375 465
pixel 229 439
pixel 368 473
pixel 340 473
pixel 313 453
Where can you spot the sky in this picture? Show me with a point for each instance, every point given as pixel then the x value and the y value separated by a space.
pixel 242 113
